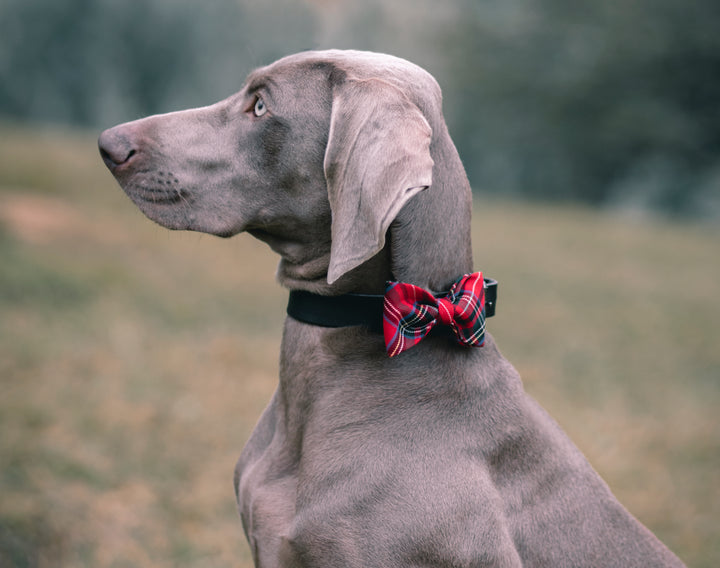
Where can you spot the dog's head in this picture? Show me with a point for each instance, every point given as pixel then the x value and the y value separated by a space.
pixel 315 155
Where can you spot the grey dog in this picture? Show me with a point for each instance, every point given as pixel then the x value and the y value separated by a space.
pixel 341 161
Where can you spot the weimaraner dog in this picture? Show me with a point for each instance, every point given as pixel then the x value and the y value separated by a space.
pixel 341 161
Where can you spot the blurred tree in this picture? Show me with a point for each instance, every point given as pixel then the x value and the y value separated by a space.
pixel 608 102
pixel 96 62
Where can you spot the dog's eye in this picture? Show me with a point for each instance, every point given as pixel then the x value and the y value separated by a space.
pixel 260 107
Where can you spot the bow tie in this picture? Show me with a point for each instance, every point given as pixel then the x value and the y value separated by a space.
pixel 418 308
pixel 410 313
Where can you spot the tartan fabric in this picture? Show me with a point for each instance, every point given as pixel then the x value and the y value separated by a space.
pixel 410 312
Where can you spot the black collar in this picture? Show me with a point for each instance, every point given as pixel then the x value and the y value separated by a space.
pixel 357 309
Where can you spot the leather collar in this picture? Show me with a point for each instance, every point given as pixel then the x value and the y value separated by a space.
pixel 357 309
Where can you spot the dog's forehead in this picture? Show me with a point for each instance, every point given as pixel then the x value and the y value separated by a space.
pixel 356 64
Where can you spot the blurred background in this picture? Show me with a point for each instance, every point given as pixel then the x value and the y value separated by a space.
pixel 132 365
pixel 610 103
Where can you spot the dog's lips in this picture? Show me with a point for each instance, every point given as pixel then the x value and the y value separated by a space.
pixel 157 195
pixel 154 187
pixel 160 197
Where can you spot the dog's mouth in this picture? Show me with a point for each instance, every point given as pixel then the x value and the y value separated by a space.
pixel 161 197
pixel 158 195
pixel 156 188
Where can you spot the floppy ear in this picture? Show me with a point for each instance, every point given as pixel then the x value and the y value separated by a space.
pixel 377 158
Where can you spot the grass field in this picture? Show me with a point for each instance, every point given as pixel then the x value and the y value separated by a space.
pixel 135 361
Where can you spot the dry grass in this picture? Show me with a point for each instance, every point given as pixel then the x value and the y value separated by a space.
pixel 134 363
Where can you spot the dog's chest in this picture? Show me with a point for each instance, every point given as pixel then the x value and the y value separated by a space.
pixel 267 506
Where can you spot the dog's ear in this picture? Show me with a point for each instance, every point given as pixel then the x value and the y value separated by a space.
pixel 377 158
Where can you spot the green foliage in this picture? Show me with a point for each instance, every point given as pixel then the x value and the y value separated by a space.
pixel 608 102
pixel 104 61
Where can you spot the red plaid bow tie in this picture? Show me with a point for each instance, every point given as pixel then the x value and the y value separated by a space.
pixel 410 312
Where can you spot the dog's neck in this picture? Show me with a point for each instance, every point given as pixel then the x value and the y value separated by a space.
pixel 368 278
pixel 430 240
pixel 428 245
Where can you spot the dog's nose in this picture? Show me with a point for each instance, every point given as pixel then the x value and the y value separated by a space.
pixel 116 147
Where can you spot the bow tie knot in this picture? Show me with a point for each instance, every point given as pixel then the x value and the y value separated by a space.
pixel 446 311
pixel 410 313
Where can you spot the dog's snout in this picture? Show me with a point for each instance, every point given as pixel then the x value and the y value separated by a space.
pixel 116 147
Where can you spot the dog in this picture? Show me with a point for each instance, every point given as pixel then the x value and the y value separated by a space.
pixel 342 163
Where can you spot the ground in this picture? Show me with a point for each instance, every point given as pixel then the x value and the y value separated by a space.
pixel 134 362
